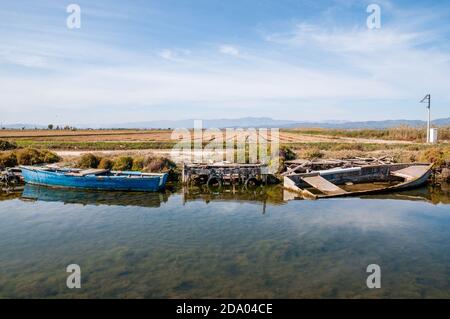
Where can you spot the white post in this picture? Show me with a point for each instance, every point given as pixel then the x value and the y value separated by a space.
pixel 428 125
pixel 427 98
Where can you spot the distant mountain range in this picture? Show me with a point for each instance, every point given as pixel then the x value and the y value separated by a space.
pixel 372 124
pixel 23 125
pixel 251 122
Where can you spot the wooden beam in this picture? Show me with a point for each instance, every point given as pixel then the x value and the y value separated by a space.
pixel 323 185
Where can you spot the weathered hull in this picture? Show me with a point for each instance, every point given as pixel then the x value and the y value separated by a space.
pixel 369 174
pixel 402 186
pixel 131 182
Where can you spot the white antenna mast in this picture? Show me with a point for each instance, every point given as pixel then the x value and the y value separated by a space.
pixel 426 99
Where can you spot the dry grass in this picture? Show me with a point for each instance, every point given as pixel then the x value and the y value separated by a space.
pixel 402 133
pixel 158 139
pixel 88 161
pixel 106 163
pixel 155 164
pixel 123 163
pixel 6 145
pixel 400 153
pixel 399 143
pixel 87 135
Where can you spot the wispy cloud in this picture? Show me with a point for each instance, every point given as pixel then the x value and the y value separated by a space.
pixel 229 50
pixel 342 71
pixel 356 40
pixel 404 57
pixel 167 54
pixel 25 60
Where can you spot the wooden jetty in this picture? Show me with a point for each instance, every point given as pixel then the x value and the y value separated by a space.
pixel 221 173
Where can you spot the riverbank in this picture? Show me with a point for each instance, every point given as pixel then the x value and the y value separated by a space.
pixel 400 144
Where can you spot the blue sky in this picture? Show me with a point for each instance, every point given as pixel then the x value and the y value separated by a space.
pixel 175 59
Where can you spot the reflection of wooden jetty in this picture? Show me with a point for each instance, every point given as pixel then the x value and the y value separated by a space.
pixel 218 174
pixel 265 195
pixel 10 178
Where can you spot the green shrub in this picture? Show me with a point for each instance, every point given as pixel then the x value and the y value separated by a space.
pixel 5 145
pixel 88 161
pixel 138 164
pixel 348 147
pixel 123 163
pixel 413 147
pixel 50 157
pixel 105 163
pixel 7 159
pixel 158 164
pixel 287 154
pixel 434 155
pixel 313 154
pixel 31 156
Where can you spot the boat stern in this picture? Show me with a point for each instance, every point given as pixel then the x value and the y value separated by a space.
pixel 163 180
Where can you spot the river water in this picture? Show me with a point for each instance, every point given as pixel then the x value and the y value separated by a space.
pixel 242 244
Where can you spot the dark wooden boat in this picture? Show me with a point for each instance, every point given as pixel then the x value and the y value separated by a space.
pixel 370 179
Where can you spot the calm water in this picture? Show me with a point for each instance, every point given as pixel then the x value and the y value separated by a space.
pixel 198 244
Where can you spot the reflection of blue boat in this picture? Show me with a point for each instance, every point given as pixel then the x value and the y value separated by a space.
pixel 101 179
pixel 93 197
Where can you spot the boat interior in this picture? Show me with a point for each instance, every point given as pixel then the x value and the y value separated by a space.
pixel 345 181
pixel 95 171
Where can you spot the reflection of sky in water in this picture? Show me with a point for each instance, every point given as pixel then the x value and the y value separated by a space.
pixel 383 216
pixel 225 249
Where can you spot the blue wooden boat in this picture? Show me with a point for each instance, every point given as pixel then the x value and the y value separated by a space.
pixel 99 179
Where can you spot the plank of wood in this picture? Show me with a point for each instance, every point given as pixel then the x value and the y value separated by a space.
pixel 93 171
pixel 323 185
pixel 411 172
pixel 294 169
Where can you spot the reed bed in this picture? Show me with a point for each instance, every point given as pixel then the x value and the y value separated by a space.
pixel 402 133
